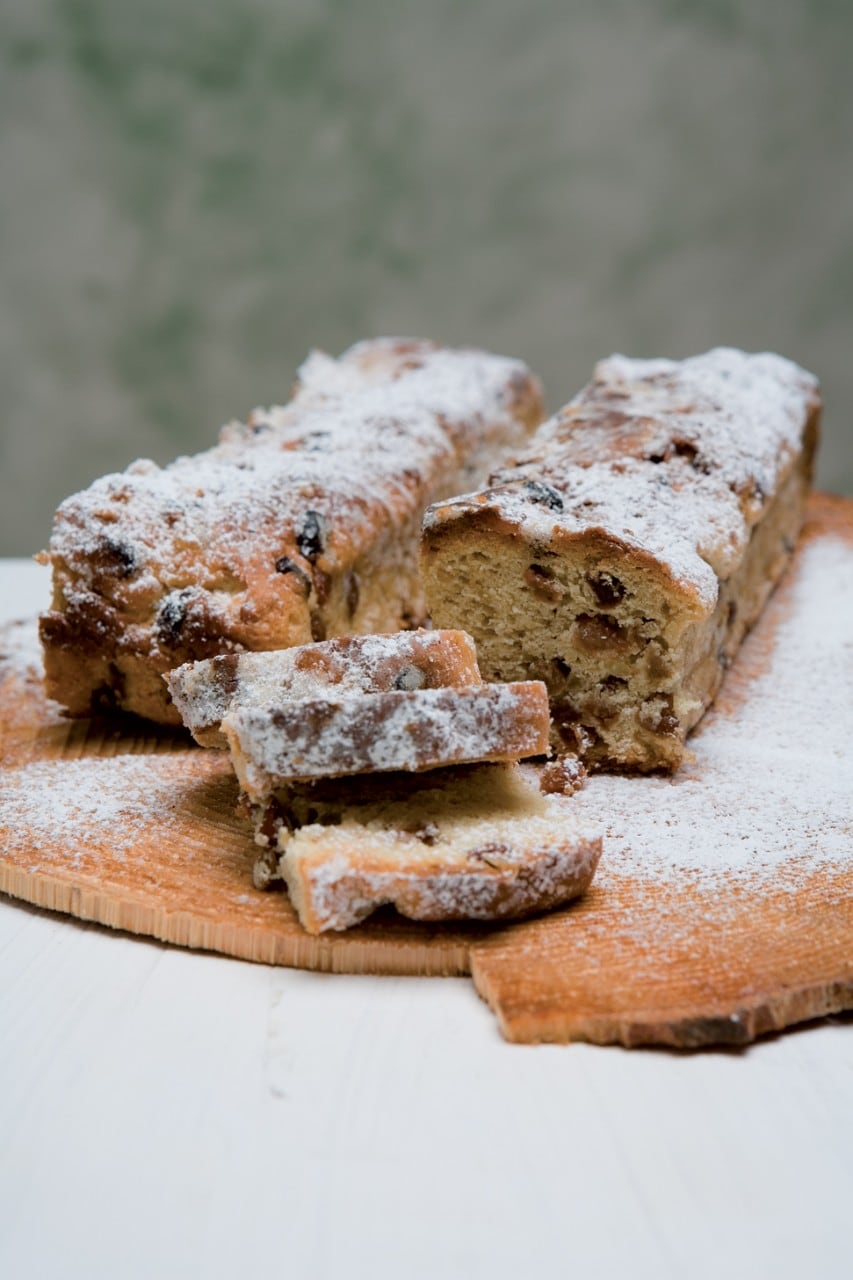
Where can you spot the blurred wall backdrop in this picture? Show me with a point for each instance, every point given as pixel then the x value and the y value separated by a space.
pixel 194 192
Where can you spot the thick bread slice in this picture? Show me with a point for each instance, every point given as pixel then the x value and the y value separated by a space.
pixel 205 691
pixel 624 555
pixel 384 732
pixel 301 524
pixel 480 843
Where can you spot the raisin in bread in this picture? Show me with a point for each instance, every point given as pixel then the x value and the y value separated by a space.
pixel 203 692
pixel 300 524
pixel 624 554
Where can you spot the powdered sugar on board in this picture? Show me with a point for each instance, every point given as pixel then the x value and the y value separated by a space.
pixel 771 787
pixel 22 694
pixel 86 809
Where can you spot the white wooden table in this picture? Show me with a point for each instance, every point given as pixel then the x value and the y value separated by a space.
pixel 167 1113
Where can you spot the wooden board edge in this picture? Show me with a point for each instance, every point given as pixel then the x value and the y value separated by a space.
pixel 670 1028
pixel 337 954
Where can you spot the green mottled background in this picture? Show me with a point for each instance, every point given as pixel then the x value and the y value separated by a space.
pixel 194 192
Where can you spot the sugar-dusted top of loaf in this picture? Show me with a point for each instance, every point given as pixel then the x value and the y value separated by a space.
pixel 204 691
pixel 360 443
pixel 676 459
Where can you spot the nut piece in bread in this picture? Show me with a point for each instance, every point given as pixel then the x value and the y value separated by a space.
pixel 302 523
pixel 205 691
pixel 625 553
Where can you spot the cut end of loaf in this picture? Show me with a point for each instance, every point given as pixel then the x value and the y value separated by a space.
pixel 594 628
pixel 630 659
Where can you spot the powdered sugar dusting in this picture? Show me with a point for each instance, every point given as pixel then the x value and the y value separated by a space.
pixel 385 732
pixel 744 412
pixel 676 459
pixel 358 434
pixel 643 507
pixel 204 691
pixel 544 868
pixel 83 806
pixel 768 801
pixel 496 848
pixel 302 522
pixel 772 783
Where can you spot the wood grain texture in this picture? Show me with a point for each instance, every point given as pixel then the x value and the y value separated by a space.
pixel 185 877
pixel 702 959
pixel 635 966
pixel 632 963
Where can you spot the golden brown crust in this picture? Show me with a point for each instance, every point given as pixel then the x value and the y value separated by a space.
pixel 205 691
pixel 302 523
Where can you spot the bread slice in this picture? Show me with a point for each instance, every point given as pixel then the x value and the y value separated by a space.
pixel 624 555
pixel 475 843
pixel 301 524
pixel 205 691
pixel 385 732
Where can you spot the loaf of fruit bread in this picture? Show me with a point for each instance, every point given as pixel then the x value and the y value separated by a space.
pixel 403 730
pixel 205 691
pixel 301 523
pixel 478 842
pixel 624 554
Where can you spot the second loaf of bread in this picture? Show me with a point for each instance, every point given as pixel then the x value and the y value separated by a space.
pixel 624 555
pixel 301 523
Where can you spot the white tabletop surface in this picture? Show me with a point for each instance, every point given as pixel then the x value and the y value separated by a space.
pixel 168 1113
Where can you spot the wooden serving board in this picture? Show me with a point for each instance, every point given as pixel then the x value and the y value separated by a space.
pixel 133 827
